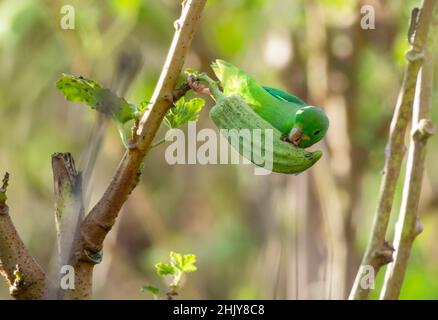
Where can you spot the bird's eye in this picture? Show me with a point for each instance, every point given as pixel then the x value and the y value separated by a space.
pixel 316 132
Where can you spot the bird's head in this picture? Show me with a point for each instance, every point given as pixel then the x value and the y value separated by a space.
pixel 311 124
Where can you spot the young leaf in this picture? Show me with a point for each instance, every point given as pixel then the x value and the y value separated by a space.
pixel 183 112
pixel 154 290
pixel 91 93
pixel 164 269
pixel 188 263
pixel 176 260
pixel 176 269
pixel 190 71
pixel 143 106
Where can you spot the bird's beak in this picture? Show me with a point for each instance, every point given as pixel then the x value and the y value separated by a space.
pixel 295 136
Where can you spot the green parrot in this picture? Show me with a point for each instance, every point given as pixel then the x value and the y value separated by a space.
pixel 300 124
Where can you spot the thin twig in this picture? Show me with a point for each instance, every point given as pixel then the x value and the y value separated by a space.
pixel 25 277
pixel 103 215
pixel 408 224
pixel 179 92
pixel 379 252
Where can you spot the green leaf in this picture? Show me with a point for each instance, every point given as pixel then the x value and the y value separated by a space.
pixel 91 93
pixel 188 263
pixel 184 112
pixel 190 71
pixel 185 263
pixel 164 269
pixel 143 106
pixel 176 260
pixel 154 290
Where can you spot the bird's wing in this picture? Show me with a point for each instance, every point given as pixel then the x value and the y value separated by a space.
pixel 278 112
pixel 283 95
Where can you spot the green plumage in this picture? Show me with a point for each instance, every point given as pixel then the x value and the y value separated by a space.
pixel 282 110
pixel 280 94
pixel 232 113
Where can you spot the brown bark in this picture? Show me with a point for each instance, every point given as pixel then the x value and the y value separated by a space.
pixel 24 276
pixel 102 217
pixel 408 224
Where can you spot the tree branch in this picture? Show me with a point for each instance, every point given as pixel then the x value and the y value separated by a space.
pixel 103 215
pixel 408 225
pixel 25 277
pixel 379 252
pixel 69 206
pixel 180 92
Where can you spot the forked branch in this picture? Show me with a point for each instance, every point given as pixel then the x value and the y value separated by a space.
pixel 408 225
pixel 102 217
pixel 379 252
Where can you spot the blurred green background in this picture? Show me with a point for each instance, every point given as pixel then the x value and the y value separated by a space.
pixel 270 237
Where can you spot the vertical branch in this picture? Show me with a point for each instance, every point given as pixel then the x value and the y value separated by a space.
pixel 103 215
pixel 408 225
pixel 25 277
pixel 69 207
pixel 379 252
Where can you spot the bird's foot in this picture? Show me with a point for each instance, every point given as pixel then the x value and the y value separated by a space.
pixel 196 86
